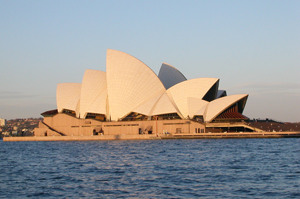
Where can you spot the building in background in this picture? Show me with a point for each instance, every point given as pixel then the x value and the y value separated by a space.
pixel 2 122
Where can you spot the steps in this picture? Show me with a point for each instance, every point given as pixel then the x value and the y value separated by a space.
pixel 52 129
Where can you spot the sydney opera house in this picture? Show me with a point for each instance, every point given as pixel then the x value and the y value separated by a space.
pixel 130 99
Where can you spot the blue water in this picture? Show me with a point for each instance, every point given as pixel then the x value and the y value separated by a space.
pixel 210 168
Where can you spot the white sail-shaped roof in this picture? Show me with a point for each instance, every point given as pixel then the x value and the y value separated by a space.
pixel 195 88
pixel 196 106
pixel 93 93
pixel 130 82
pixel 164 106
pixel 129 85
pixel 202 111
pixel 217 106
pixel 170 76
pixel 146 107
pixel 67 96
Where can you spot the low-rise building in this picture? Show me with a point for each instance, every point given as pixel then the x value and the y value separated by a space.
pixel 2 122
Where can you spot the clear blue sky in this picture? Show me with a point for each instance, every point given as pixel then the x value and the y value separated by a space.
pixel 253 47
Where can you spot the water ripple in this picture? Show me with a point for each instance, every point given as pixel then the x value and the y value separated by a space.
pixel 243 168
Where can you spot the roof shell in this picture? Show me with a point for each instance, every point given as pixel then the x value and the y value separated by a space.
pixel 196 106
pixel 221 93
pixel 67 96
pixel 130 82
pixel 146 107
pixel 195 88
pixel 170 76
pixel 129 85
pixel 93 93
pixel 217 106
pixel 164 106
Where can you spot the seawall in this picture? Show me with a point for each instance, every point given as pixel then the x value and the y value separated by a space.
pixel 78 138
pixel 236 135
pixel 148 137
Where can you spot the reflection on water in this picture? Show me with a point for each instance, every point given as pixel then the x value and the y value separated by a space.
pixel 222 168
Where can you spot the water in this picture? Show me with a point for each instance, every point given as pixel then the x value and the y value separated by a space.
pixel 211 168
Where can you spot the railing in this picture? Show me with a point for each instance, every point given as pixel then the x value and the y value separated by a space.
pixel 265 120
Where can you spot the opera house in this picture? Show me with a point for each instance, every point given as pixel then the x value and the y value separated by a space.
pixel 130 99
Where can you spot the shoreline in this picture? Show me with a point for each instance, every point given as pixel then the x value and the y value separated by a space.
pixel 160 136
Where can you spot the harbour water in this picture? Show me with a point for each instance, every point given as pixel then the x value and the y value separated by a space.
pixel 196 168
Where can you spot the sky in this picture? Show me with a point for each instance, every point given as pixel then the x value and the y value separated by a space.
pixel 253 47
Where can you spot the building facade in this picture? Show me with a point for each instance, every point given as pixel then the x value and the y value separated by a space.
pixel 2 122
pixel 129 98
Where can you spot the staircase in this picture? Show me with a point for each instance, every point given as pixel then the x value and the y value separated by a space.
pixel 52 129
